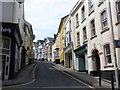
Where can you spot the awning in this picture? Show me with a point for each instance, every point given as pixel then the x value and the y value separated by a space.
pixel 81 49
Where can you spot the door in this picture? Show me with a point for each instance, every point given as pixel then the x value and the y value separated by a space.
pixel 82 63
pixel 5 66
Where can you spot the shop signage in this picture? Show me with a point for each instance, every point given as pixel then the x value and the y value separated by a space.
pixel 6 30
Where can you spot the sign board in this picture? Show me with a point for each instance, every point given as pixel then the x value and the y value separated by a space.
pixel 117 43
pixel 6 30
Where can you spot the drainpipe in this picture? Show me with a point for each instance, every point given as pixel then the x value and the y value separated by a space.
pixel 114 49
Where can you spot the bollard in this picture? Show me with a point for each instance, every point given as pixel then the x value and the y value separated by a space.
pixel 112 82
pixel 99 77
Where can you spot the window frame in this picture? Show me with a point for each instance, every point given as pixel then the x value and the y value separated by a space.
pixel 105 20
pixel 118 11
pixel 92 29
pixel 91 6
pixel 77 20
pixel 83 12
pixel 84 34
pixel 107 55
pixel 78 39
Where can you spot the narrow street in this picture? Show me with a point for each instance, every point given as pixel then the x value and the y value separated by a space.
pixel 46 76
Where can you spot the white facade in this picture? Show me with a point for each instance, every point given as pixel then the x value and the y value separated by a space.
pixel 92 24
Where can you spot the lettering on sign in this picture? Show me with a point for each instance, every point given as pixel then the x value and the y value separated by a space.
pixel 5 30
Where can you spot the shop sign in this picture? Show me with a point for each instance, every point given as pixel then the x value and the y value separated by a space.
pixel 5 30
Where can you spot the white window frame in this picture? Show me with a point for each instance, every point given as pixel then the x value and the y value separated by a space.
pixel 107 54
pixel 83 12
pixel 118 10
pixel 78 39
pixel 77 20
pixel 92 28
pixel 84 34
pixel 103 20
pixel 91 6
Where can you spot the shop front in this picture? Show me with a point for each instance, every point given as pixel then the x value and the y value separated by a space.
pixel 9 49
pixel 81 57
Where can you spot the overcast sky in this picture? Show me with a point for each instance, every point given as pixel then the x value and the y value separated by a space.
pixel 45 15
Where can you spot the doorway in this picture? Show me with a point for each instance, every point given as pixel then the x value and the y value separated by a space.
pixel 81 60
pixel 96 61
pixel 5 66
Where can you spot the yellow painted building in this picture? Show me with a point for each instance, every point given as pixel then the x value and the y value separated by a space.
pixel 59 41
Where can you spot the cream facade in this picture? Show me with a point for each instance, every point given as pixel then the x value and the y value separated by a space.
pixel 93 25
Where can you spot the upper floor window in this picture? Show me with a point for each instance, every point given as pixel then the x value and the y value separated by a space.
pixel 77 20
pixel 70 24
pixel 118 10
pixel 104 20
pixel 92 25
pixel 107 54
pixel 78 39
pixel 83 12
pixel 84 34
pixel 69 36
pixel 91 8
pixel 101 1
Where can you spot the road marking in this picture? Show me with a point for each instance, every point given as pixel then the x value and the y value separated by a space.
pixel 26 82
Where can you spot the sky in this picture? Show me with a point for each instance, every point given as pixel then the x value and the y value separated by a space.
pixel 45 15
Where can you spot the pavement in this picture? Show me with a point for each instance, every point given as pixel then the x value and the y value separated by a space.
pixel 24 76
pixel 84 77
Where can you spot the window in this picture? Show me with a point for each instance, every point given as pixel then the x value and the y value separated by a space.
pixel 69 36
pixel 118 10
pixel 92 25
pixel 101 1
pixel 104 20
pixel 6 43
pixel 70 24
pixel 63 42
pixel 83 12
pixel 84 34
pixel 77 20
pixel 91 8
pixel 78 39
pixel 1 42
pixel 107 54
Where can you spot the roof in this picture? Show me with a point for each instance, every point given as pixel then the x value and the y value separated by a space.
pixel 50 39
pixel 41 41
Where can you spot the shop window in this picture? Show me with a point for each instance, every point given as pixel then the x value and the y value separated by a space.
pixel 6 43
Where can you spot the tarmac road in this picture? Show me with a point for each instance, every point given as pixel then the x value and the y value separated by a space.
pixel 48 77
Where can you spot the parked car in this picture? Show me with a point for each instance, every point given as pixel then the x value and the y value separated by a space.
pixel 42 59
